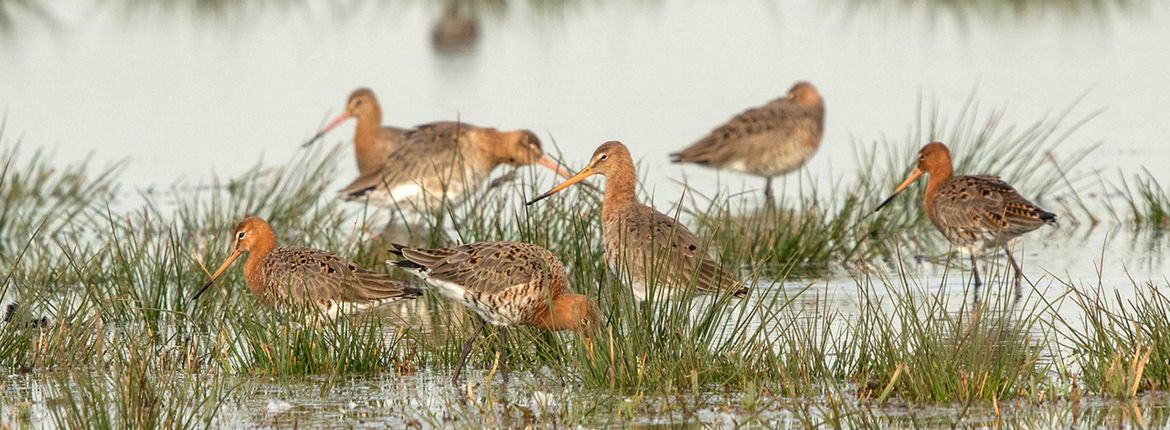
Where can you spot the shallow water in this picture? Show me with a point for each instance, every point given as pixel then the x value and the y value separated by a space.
pixel 188 91
pixel 427 400
pixel 185 91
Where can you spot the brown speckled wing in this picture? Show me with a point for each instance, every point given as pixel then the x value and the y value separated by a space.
pixel 740 138
pixel 654 238
pixel 304 273
pixel 988 206
pixel 428 155
pixel 489 267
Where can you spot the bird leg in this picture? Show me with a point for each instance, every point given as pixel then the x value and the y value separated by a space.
pixel 466 350
pixel 975 274
pixel 768 192
pixel 503 179
pixel 1019 273
pixel 504 355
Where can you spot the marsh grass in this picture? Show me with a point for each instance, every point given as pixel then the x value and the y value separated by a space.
pixel 962 12
pixel 309 343
pixel 1122 346
pixel 48 198
pixel 811 241
pixel 134 393
pixel 131 350
pixel 1147 201
pixel 28 347
pixel 927 349
pixel 673 345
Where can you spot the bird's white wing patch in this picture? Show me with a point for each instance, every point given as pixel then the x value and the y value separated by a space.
pixel 405 191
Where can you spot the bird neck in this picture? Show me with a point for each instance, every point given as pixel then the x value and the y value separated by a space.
pixel 620 189
pixel 819 110
pixel 365 141
pixel 494 144
pixel 253 275
pixel 936 179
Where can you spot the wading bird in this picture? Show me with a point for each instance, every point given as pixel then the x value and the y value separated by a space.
pixel 768 141
pixel 652 247
pixel 372 142
pixel 299 277
pixel 974 213
pixel 442 163
pixel 506 283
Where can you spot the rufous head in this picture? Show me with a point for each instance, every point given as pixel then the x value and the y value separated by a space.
pixel 521 148
pixel 573 312
pixel 362 104
pixel 805 94
pixel 933 159
pixel 609 158
pixel 250 234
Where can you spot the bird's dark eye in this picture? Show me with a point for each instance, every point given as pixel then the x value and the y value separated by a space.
pixel 603 157
pixel 240 236
pixel 921 157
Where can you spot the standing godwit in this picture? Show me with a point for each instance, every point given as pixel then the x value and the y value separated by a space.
pixel 506 283
pixel 974 213
pixel 770 140
pixel 443 162
pixel 302 276
pixel 648 244
pixel 372 143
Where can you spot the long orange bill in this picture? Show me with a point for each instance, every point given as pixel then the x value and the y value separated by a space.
pixel 344 115
pixel 588 340
pixel 580 176
pixel 223 267
pixel 909 180
pixel 556 167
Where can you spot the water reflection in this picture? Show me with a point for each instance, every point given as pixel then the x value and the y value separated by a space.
pixel 457 30
pixel 12 11
pixel 1000 11
pixel 226 12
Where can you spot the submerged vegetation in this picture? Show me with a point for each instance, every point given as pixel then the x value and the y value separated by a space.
pixel 125 346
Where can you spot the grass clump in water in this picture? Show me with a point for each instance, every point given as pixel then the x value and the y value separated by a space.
pixel 1147 201
pixel 1122 346
pixel 922 349
pixel 39 198
pixel 308 343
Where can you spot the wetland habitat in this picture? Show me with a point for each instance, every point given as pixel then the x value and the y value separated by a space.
pixel 137 134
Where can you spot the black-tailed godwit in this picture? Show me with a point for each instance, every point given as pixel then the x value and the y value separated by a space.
pixel 643 242
pixel 440 164
pixel 974 213
pixel 372 142
pixel 769 141
pixel 294 276
pixel 506 283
